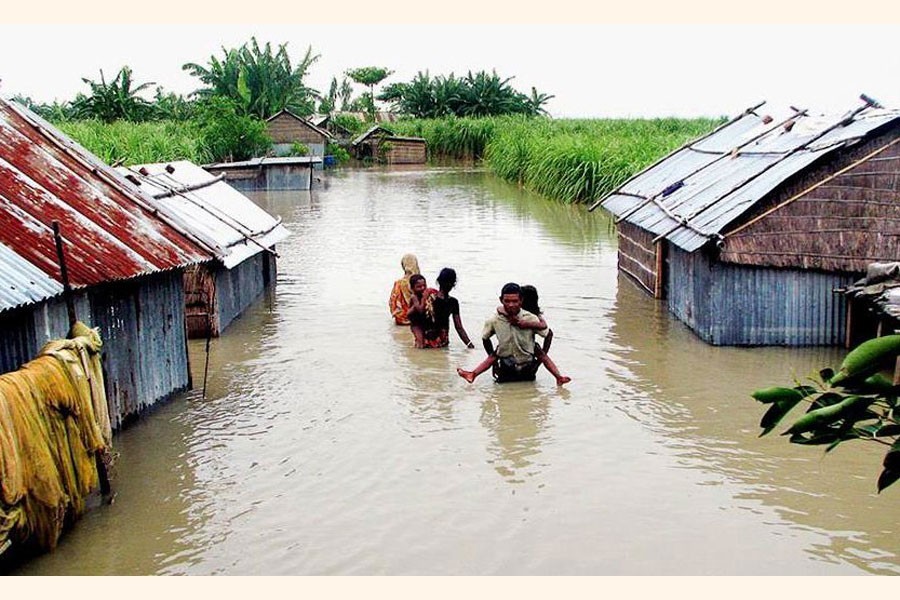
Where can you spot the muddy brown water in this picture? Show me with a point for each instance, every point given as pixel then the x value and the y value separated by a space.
pixel 326 444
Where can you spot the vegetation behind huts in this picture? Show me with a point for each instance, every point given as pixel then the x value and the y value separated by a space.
pixel 573 160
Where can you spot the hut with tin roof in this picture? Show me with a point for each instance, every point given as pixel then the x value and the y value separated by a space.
pixel 748 231
pixel 125 259
pixel 245 235
pixel 381 145
pixel 288 129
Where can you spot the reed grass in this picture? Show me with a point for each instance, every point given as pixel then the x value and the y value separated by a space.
pixel 573 160
pixel 137 143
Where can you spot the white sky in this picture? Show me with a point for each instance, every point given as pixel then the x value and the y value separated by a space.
pixel 596 70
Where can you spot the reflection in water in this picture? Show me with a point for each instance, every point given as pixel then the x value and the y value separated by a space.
pixel 326 444
pixel 516 417
pixel 698 397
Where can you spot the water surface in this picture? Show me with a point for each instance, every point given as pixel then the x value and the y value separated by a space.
pixel 327 444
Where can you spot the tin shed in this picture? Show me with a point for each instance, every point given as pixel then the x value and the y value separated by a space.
pixel 383 146
pixel 747 231
pixel 268 173
pixel 245 236
pixel 125 259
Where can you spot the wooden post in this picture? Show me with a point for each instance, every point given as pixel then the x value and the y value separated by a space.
pixel 102 472
pixel 848 334
pixel 64 272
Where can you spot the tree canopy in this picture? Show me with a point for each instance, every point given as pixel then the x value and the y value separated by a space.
pixel 261 81
pixel 480 94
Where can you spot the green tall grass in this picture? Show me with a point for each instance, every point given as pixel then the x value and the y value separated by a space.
pixel 136 143
pixel 573 160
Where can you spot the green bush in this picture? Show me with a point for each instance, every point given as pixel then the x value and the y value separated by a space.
pixel 228 134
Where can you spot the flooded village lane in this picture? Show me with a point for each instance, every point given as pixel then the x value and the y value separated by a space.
pixel 326 444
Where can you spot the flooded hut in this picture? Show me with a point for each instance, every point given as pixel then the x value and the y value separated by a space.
pixel 125 260
pixel 381 145
pixel 334 128
pixel 748 231
pixel 245 236
pixel 288 130
pixel 268 173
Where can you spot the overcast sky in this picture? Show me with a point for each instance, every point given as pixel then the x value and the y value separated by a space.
pixel 592 70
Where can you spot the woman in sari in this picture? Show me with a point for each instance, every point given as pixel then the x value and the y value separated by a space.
pixel 401 292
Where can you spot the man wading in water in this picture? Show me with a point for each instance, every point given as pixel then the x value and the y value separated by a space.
pixel 514 359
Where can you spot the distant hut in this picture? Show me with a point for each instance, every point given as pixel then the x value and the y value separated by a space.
pixel 379 144
pixel 125 262
pixel 748 231
pixel 245 236
pixel 326 122
pixel 287 129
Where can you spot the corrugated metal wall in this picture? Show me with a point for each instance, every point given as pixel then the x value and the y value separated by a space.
pixel 237 288
pixel 731 305
pixel 142 326
pixel 272 177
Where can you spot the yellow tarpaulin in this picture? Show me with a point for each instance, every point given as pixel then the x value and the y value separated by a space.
pixel 54 423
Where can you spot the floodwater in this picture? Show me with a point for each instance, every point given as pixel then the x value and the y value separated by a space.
pixel 327 444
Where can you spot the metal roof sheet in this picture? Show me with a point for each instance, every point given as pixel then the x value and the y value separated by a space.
pixel 21 282
pixel 213 209
pixel 266 161
pixel 375 129
pixel 110 230
pixel 693 194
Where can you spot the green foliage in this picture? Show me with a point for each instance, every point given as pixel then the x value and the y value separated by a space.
pixel 299 149
pixel 260 81
pixel 350 123
pixel 172 107
pixel 136 143
pixel 340 154
pixel 475 95
pixel 855 403
pixel 228 133
pixel 574 160
pixel 370 77
pixel 116 100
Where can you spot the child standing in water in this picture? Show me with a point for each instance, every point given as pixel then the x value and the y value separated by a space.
pixel 529 296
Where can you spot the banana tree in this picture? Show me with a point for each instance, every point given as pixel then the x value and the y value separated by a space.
pixel 858 402
pixel 117 100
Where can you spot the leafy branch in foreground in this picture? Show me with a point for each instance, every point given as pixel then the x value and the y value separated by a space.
pixel 856 403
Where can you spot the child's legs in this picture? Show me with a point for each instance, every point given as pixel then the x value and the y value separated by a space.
pixel 419 335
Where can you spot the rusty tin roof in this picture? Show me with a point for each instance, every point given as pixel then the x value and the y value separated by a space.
pixel 110 230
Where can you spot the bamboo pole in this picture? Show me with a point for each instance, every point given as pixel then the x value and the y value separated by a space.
pixel 102 472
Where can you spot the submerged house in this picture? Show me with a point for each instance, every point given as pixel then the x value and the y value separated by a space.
pixel 244 234
pixel 268 174
pixel 327 123
pixel 748 231
pixel 287 129
pixel 125 259
pixel 379 144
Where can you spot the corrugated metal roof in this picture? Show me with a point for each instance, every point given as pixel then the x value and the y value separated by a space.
pixel 266 161
pixel 375 128
pixel 211 207
pixel 695 192
pixel 110 231
pixel 21 282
